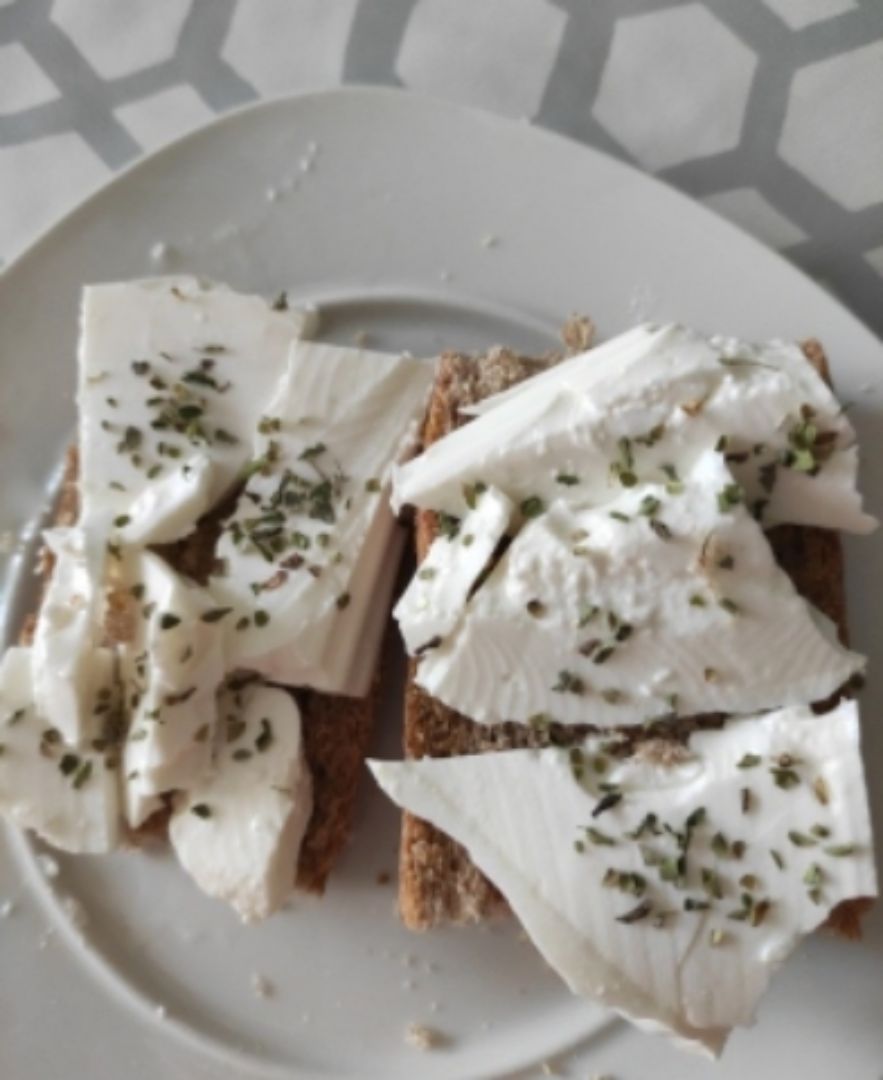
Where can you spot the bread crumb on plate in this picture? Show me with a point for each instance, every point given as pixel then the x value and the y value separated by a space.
pixel 422 1037
pixel 261 986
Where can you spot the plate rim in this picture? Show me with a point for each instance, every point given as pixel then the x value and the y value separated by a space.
pixel 403 96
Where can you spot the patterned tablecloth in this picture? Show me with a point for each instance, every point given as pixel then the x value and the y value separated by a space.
pixel 769 111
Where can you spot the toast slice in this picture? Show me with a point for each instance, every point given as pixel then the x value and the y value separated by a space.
pixel 438 883
pixel 336 729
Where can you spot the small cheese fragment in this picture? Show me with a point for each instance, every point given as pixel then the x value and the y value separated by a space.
pixel 433 603
pixel 646 402
pixel 671 886
pixel 171 670
pixel 238 831
pixel 70 665
pixel 659 604
pixel 301 553
pixel 170 504
pixel 68 796
pixel 348 663
pixel 174 374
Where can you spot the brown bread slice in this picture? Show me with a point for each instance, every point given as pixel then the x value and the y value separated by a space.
pixel 336 729
pixel 438 883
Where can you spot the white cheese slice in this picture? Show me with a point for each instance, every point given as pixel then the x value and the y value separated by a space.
pixel 174 374
pixel 651 399
pixel 300 554
pixel 433 603
pixel 680 608
pixel 160 346
pixel 171 671
pixel 169 505
pixel 68 796
pixel 348 663
pixel 70 666
pixel 531 822
pixel 238 831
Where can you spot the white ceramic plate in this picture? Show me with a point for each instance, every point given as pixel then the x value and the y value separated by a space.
pixel 423 224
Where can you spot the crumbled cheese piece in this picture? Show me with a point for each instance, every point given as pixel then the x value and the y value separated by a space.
pixel 48 865
pixel 75 912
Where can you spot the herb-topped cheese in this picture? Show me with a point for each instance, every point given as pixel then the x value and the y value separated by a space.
pixel 642 408
pixel 171 669
pixel 174 375
pixel 191 394
pixel 238 829
pixel 299 558
pixel 433 603
pixel 662 603
pixel 68 795
pixel 669 885
pixel 72 667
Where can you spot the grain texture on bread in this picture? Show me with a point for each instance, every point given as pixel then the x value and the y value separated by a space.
pixel 438 883
pixel 336 729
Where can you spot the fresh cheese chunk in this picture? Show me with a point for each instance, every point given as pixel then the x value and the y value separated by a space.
pixel 671 885
pixel 171 503
pixel 668 601
pixel 433 603
pixel 70 665
pixel 648 403
pixel 173 377
pixel 238 831
pixel 68 796
pixel 301 552
pixel 171 668
pixel 348 663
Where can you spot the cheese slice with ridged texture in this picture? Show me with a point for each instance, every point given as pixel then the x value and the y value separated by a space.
pixel 669 885
pixel 303 556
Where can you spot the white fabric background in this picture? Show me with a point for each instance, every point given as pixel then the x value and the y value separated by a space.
pixel 770 111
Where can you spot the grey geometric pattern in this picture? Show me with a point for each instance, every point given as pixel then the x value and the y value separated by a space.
pixel 768 111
